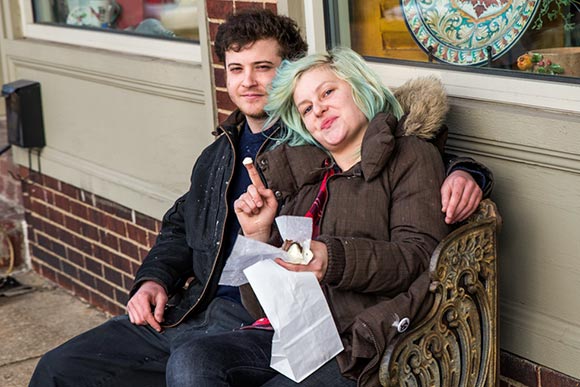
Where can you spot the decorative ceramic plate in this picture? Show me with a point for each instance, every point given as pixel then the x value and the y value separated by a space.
pixel 83 16
pixel 462 31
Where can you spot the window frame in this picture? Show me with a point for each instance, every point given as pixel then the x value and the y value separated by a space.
pixel 177 50
pixel 461 82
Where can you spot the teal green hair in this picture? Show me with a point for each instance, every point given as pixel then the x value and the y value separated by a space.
pixel 369 93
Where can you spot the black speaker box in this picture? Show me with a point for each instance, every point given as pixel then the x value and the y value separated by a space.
pixel 24 114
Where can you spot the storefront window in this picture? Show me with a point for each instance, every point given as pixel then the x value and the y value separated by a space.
pixel 169 19
pixel 520 36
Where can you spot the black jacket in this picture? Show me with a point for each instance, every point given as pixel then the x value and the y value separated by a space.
pixel 190 243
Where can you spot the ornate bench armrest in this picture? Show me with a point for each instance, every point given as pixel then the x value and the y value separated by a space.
pixel 456 344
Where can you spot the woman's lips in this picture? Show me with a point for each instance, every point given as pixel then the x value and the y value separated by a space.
pixel 327 123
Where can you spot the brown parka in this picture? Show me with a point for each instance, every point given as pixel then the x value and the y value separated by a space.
pixel 381 222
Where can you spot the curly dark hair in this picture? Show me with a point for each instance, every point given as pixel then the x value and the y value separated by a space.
pixel 255 24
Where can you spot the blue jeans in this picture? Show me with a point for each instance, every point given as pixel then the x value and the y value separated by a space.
pixel 206 350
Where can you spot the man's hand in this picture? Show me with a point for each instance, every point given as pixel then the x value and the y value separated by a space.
pixel 139 306
pixel 318 264
pixel 460 196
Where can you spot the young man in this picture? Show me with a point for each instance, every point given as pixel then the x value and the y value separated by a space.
pixel 154 344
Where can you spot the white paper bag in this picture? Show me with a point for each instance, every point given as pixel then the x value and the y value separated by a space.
pixel 305 336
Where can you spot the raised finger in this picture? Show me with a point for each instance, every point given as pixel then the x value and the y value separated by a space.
pixel 253 172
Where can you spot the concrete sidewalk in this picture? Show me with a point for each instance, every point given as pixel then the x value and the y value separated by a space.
pixel 35 322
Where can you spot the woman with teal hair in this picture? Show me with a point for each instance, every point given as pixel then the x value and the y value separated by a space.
pixel 359 164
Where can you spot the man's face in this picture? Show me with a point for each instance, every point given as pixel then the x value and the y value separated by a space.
pixel 249 74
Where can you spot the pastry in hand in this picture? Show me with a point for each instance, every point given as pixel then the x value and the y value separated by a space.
pixel 296 253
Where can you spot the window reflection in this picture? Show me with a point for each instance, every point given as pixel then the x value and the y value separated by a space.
pixel 174 19
pixel 525 38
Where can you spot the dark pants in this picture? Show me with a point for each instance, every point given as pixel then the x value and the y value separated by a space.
pixel 206 350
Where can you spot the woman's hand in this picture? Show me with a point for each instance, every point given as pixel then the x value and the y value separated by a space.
pixel 318 264
pixel 257 208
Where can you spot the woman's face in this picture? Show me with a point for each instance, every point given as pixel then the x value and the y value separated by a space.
pixel 328 110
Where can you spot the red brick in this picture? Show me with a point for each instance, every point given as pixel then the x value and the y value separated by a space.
pixel 122 297
pixel 79 209
pixel 222 116
pixel 69 269
pixel 53 231
pixel 518 369
pixel 47 272
pixel 87 279
pixel 142 254
pixel 98 300
pixel 101 254
pixel 248 5
pixel 213 27
pixel 121 263
pixel 69 190
pixel 90 231
pixel 58 249
pixel 56 216
pixel 113 276
pixel 62 202
pixel 51 182
pixel 129 249
pixel 116 225
pixel 64 281
pixel 151 238
pixel 39 208
pixel 272 7
pixel 137 234
pixel 104 288
pixel 75 257
pixel 81 291
pixel 146 221
pixel 116 310
pixel 220 77
pixel 94 266
pixel 114 208
pixel 83 245
pixel 219 9
pixel 72 224
pixel 224 101
pixel 96 217
pixel 44 242
pixel 551 378
pixel 127 282
pixel 109 239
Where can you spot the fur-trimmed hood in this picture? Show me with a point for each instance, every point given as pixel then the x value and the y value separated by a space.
pixel 424 101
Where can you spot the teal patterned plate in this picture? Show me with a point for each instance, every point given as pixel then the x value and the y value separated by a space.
pixel 462 32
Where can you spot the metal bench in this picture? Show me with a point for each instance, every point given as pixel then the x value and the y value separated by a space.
pixel 456 343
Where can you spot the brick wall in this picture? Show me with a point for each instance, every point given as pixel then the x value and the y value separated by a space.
pixel 86 244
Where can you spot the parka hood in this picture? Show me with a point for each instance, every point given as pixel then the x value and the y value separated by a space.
pixel 424 102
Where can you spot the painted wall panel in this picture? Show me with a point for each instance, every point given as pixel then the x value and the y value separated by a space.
pixel 536 161
pixel 125 127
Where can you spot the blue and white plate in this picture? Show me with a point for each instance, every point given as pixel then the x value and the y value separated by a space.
pixel 460 31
